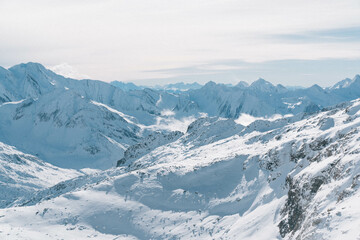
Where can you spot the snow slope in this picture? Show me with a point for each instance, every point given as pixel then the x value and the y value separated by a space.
pixel 292 178
pixel 22 174
pixel 68 130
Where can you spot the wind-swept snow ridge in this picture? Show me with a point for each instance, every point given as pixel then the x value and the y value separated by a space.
pixel 293 178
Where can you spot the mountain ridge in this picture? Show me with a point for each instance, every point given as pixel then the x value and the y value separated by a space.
pixel 291 178
pixel 26 89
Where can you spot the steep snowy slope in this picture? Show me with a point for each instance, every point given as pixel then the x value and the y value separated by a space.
pixel 68 130
pixel 7 93
pixel 148 144
pixel 22 174
pixel 348 89
pixel 292 178
pixel 342 84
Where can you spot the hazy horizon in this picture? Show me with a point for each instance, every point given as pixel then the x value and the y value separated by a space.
pixel 285 42
pixel 70 73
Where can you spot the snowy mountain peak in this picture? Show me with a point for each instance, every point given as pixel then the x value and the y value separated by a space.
pixel 31 79
pixel 356 80
pixel 347 82
pixel 316 88
pixel 181 86
pixel 262 85
pixel 36 70
pixel 280 86
pixel 28 66
pixel 3 71
pixel 342 84
pixel 242 84
pixel 261 81
pixel 210 84
pixel 126 86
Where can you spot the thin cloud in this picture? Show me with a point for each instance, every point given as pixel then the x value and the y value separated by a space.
pixel 67 70
pixel 126 40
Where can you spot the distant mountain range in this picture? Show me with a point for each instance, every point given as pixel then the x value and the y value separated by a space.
pixel 88 123
pixel 172 87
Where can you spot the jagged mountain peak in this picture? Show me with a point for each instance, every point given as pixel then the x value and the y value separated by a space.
pixel 3 70
pixel 32 79
pixel 262 85
pixel 210 84
pixel 261 81
pixel 356 80
pixel 317 88
pixel 347 83
pixel 281 86
pixel 342 84
pixel 242 84
pixel 36 70
pixel 181 86
pixel 126 86
pixel 28 65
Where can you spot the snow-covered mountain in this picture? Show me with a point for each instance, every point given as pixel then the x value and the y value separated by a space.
pixel 342 84
pixel 292 178
pixel 23 174
pixel 262 98
pixel 172 87
pixel 68 130
pixel 179 87
pixel 32 80
pixel 78 123
pixel 88 123
pixel 126 86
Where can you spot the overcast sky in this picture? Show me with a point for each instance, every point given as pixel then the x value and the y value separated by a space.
pixel 297 42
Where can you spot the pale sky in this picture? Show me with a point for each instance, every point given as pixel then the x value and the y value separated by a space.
pixel 297 42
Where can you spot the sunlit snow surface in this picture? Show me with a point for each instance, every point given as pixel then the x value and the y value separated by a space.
pixel 221 180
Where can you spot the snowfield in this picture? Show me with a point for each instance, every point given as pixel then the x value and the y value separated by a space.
pixel 294 178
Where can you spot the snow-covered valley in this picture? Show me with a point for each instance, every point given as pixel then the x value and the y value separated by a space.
pixel 176 165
